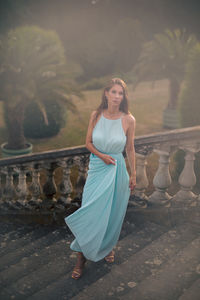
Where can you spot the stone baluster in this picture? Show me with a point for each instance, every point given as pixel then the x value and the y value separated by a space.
pixel 49 187
pixel 1 186
pixel 35 187
pixel 162 180
pixel 9 192
pixel 22 190
pixel 187 180
pixel 66 185
pixel 141 176
pixel 82 162
pixel 1 190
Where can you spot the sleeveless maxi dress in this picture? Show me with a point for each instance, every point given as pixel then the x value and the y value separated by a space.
pixel 97 224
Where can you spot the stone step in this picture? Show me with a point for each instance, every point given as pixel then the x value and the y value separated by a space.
pixel 36 242
pixel 143 237
pixel 12 232
pixel 122 278
pixel 33 256
pixel 128 227
pixel 193 293
pixel 16 255
pixel 28 237
pixel 7 228
pixel 54 269
pixel 169 282
pixel 65 285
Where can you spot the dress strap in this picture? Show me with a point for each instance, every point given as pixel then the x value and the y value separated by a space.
pixel 112 119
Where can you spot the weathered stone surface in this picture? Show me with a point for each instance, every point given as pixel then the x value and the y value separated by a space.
pixel 192 293
pixel 39 265
pixel 170 282
pixel 23 188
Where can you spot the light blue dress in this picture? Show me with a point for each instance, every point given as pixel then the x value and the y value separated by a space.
pixel 97 224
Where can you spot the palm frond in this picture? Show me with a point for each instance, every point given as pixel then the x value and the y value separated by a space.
pixel 42 108
pixel 165 55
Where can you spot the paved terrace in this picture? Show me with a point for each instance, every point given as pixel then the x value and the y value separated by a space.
pixel 157 256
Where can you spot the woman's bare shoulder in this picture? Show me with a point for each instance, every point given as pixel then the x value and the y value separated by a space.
pixel 130 119
pixel 94 117
pixel 93 114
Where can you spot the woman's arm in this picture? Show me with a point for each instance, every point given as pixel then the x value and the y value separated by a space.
pixel 89 144
pixel 130 149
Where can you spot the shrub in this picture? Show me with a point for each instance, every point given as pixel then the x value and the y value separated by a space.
pixel 33 67
pixel 34 123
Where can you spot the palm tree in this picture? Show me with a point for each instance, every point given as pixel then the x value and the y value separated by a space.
pixel 32 68
pixel 165 57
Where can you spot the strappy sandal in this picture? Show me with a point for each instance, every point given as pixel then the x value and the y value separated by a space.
pixel 78 271
pixel 110 258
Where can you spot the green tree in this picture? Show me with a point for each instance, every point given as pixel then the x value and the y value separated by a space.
pixel 96 55
pixel 189 106
pixel 165 57
pixel 189 99
pixel 128 40
pixel 32 68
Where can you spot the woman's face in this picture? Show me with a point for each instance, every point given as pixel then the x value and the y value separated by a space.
pixel 115 95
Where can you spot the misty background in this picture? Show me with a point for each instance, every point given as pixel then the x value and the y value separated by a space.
pixel 102 37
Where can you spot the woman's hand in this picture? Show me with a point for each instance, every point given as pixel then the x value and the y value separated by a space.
pixel 132 182
pixel 108 159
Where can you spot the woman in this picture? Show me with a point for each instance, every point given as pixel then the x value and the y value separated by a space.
pixel 97 223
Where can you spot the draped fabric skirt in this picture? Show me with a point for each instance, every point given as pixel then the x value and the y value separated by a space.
pixel 97 224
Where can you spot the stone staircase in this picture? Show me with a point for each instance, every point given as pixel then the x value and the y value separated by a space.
pixel 153 261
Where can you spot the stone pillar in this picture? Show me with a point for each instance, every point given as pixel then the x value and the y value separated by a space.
pixel 162 180
pixel 141 176
pixel 49 187
pixel 22 190
pixel 1 190
pixel 82 162
pixel 9 192
pixel 35 187
pixel 187 180
pixel 66 185
pixel 1 187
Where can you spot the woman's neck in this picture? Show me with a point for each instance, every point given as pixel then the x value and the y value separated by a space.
pixel 113 110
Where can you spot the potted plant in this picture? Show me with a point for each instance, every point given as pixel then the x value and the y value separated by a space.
pixel 32 68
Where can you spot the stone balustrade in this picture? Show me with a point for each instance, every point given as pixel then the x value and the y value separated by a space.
pixel 23 190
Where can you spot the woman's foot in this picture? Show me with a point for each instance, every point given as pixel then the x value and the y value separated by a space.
pixel 78 269
pixel 110 257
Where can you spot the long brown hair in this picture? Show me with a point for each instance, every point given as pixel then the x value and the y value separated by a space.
pixel 104 103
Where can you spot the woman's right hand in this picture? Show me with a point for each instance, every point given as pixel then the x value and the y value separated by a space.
pixel 108 159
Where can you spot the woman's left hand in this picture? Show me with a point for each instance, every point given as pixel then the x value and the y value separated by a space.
pixel 132 182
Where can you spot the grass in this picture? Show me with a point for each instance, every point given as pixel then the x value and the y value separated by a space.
pixel 146 104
